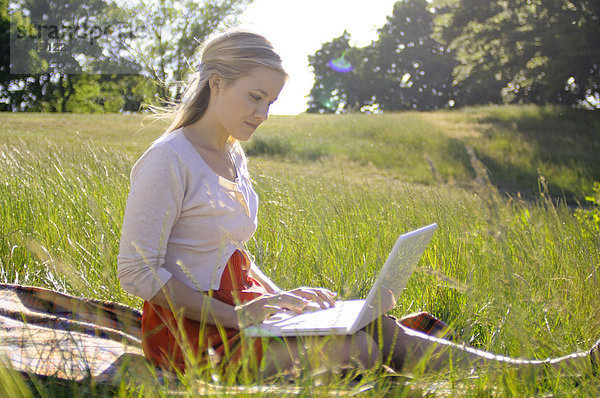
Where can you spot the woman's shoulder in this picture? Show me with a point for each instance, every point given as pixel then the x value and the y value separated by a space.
pixel 174 141
pixel 170 148
pixel 170 145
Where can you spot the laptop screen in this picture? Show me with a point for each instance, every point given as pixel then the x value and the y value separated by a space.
pixel 394 275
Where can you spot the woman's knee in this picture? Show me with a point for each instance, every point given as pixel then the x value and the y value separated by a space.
pixel 364 349
pixel 359 349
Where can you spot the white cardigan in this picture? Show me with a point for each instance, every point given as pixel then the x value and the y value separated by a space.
pixel 182 219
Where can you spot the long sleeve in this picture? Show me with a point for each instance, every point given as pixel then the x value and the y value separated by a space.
pixel 153 206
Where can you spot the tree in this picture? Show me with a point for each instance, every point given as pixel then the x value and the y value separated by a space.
pixel 525 50
pixel 415 69
pixel 438 53
pixel 103 93
pixel 52 45
pixel 169 33
pixel 329 93
pixel 5 77
pixel 405 68
pixel 57 44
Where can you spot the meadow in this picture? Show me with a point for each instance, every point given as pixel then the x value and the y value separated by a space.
pixel 512 267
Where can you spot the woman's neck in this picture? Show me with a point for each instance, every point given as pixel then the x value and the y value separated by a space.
pixel 207 135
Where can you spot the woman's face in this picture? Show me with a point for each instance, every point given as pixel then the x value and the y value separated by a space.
pixel 241 106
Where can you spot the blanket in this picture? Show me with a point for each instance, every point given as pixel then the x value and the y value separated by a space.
pixel 46 333
pixel 50 334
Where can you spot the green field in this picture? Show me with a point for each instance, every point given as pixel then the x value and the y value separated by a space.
pixel 512 266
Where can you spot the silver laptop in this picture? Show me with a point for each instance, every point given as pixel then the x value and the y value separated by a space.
pixel 347 317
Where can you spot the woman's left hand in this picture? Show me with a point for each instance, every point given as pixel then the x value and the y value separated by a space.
pixel 323 297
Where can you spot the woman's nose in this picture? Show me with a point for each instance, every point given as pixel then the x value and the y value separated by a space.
pixel 262 113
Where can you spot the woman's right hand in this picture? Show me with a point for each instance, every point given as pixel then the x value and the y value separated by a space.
pixel 262 307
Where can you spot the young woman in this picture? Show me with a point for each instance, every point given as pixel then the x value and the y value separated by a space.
pixel 190 210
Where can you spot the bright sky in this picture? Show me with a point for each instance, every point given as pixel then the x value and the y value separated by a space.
pixel 298 28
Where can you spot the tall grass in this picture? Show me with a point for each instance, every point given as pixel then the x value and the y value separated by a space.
pixel 61 208
pixel 516 277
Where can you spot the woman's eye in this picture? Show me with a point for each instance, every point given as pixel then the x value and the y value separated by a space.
pixel 255 97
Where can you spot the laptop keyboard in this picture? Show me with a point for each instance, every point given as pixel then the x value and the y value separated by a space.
pixel 343 314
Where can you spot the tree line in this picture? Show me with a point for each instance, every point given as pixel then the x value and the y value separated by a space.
pixel 433 54
pixel 103 56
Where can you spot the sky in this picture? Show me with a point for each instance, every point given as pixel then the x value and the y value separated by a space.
pixel 299 28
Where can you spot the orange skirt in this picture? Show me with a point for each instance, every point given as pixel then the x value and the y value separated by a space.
pixel 171 342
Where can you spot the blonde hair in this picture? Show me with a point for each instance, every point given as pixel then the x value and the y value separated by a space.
pixel 231 55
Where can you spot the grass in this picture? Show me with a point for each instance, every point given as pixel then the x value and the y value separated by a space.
pixel 512 267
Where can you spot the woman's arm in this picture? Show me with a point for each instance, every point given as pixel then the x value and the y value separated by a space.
pixel 203 308
pixel 264 280
pixel 195 304
pixel 153 206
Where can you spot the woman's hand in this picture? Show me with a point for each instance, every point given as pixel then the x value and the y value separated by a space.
pixel 296 300
pixel 323 297
pixel 262 307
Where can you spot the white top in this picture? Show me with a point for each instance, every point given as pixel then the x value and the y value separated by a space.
pixel 182 219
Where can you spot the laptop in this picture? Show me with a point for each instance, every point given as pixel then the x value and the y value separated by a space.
pixel 348 317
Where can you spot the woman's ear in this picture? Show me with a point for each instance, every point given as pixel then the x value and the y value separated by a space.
pixel 215 83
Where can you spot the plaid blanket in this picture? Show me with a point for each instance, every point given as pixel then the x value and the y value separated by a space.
pixel 46 333
pixel 428 324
